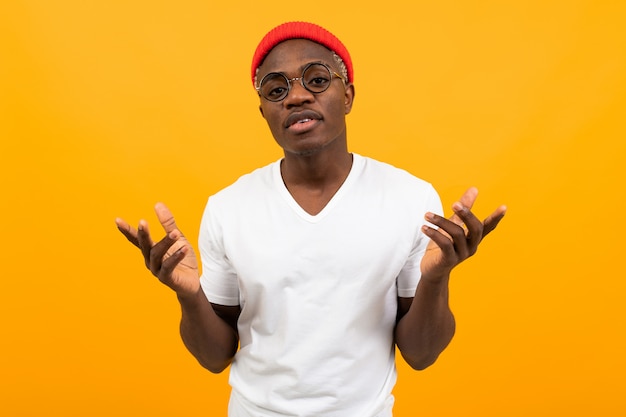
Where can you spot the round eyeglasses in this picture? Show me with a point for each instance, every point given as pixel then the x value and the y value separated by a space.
pixel 316 78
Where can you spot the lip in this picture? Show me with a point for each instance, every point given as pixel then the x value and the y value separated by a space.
pixel 301 116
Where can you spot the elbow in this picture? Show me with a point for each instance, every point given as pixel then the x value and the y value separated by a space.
pixel 421 357
pixel 214 367
pixel 420 363
pixel 213 360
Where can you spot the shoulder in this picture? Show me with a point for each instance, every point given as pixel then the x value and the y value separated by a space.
pixel 241 197
pixel 387 185
pixel 248 185
pixel 391 177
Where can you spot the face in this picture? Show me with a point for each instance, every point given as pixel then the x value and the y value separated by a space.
pixel 304 123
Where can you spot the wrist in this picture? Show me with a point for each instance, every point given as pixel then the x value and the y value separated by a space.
pixel 436 277
pixel 435 283
pixel 190 298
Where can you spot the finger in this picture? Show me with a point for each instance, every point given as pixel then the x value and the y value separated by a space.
pixel 493 219
pixel 171 262
pixel 166 217
pixel 455 233
pixel 444 242
pixel 474 226
pixel 144 241
pixel 467 200
pixel 127 230
pixel 469 197
pixel 159 251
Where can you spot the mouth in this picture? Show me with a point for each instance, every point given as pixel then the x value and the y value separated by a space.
pixel 302 126
pixel 302 120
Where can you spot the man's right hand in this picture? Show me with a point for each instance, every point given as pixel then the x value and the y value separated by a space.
pixel 172 259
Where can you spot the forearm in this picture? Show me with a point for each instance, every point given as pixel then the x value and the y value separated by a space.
pixel 428 326
pixel 211 340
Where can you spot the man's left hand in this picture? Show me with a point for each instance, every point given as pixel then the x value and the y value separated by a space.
pixel 456 238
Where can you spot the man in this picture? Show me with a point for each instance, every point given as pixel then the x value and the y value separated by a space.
pixel 316 266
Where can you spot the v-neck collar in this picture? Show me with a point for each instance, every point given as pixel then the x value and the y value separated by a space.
pixel 357 166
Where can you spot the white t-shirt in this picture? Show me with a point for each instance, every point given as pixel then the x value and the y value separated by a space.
pixel 318 294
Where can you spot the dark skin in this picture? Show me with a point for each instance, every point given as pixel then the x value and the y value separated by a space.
pixel 426 324
pixel 316 159
pixel 311 130
pixel 209 331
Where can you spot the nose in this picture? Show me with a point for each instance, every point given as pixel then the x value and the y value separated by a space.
pixel 297 94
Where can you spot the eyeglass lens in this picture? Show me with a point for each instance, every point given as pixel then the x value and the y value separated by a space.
pixel 315 78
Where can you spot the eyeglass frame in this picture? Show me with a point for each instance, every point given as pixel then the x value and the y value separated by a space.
pixel 331 72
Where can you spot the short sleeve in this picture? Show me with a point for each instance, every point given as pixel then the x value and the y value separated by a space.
pixel 219 279
pixel 411 273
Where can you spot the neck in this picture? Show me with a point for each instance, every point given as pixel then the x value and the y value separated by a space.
pixel 314 179
pixel 316 170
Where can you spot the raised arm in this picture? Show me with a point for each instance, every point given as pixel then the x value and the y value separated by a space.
pixel 208 331
pixel 425 323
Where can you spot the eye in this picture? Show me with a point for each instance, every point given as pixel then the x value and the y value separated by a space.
pixel 319 81
pixel 274 86
pixel 275 92
pixel 317 77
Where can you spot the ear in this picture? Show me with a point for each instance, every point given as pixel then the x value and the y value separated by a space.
pixel 349 97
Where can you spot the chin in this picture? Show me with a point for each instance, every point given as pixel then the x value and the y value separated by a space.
pixel 304 152
pixel 308 148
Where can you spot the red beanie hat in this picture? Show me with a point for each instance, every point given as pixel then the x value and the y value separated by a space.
pixel 300 30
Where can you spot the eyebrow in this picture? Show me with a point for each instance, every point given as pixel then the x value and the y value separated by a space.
pixel 302 67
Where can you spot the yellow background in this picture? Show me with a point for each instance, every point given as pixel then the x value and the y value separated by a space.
pixel 107 107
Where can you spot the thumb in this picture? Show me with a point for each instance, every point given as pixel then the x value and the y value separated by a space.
pixel 467 200
pixel 166 218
